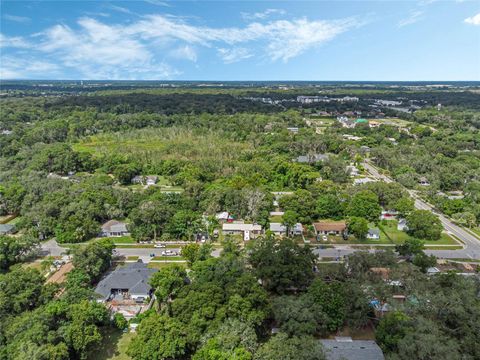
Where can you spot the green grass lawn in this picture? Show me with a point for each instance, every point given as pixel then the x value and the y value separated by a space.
pixel 114 346
pixel 122 240
pixel 161 265
pixel 476 230
pixel 276 219
pixel 132 246
pixel 399 237
pixel 166 258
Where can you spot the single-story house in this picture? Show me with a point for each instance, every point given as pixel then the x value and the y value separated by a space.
pixel 147 180
pixel 114 228
pixel 388 215
pixel 346 348
pixel 312 158
pixel 452 195
pixel 6 229
pixel 224 217
pixel 362 181
pixel 373 234
pixel 402 225
pixel 248 231
pixel 423 181
pixel 330 228
pixel 281 230
pixel 129 282
pixel 151 180
pixel 433 271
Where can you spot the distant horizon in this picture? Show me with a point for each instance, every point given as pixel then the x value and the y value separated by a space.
pixel 148 40
pixel 248 81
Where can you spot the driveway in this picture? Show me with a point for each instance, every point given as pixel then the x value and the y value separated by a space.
pixel 471 242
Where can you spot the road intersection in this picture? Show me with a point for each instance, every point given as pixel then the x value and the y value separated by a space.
pixel 471 243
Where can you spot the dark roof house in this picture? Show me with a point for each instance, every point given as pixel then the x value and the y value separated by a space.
pixel 130 281
pixel 347 349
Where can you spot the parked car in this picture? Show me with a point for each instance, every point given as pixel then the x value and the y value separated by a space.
pixel 159 246
pixel 169 253
pixel 324 238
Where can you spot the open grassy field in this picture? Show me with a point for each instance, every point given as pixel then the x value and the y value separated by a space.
pixel 165 144
pixel 394 122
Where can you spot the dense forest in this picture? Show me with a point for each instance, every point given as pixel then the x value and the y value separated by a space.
pixel 70 163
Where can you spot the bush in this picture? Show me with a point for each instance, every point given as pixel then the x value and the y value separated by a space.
pixel 119 321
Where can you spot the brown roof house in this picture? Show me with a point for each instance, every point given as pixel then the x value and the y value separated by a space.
pixel 330 228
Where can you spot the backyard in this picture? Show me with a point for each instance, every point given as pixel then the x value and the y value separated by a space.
pixel 114 346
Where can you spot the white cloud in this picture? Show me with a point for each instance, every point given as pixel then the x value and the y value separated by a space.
pixel 14 42
pixel 20 19
pixel 184 53
pixel 233 55
pixel 414 17
pixel 101 51
pixel 17 68
pixel 158 3
pixel 473 20
pixel 262 15
pixel 284 38
pixel 97 50
pixel 121 9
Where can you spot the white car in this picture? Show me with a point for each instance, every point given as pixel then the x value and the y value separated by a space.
pixel 324 238
pixel 169 253
pixel 159 246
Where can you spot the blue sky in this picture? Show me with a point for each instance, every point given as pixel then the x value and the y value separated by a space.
pixel 241 40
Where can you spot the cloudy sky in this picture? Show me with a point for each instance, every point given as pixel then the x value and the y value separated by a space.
pixel 241 40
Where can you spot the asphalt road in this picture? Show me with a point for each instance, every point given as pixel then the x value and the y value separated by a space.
pixel 472 243
pixel 51 247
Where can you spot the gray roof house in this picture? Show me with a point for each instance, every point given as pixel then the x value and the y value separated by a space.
pixel 280 229
pixel 313 158
pixel 344 348
pixel 402 225
pixel 114 228
pixel 7 229
pixel 126 282
pixel 373 234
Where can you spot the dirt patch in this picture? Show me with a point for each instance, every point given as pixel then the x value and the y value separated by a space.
pixel 60 275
